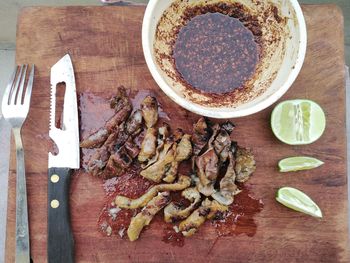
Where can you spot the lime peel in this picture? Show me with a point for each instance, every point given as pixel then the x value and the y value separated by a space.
pixel 298 201
pixel 298 163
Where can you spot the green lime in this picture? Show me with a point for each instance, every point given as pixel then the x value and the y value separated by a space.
pixel 298 163
pixel 298 201
pixel 298 122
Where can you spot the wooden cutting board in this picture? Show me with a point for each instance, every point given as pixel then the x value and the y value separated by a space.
pixel 105 46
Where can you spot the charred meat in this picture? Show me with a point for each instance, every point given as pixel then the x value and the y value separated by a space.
pixel 228 187
pixel 96 139
pixel 156 171
pixel 191 224
pixel 146 215
pixel 218 163
pixel 245 164
pixel 173 212
pixel 201 135
pixel 149 108
pixel 148 146
pixel 125 202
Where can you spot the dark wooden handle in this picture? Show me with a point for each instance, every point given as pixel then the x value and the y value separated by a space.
pixel 60 243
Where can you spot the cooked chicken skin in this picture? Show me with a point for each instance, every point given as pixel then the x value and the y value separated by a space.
pixel 245 164
pixel 173 212
pixel 96 139
pixel 228 188
pixel 201 135
pixel 145 217
pixel 190 225
pixel 149 108
pixel 222 145
pixel 184 148
pixel 133 125
pixel 163 134
pixel 148 146
pixel 207 171
pixel 124 202
pixel 217 210
pixel 156 171
pixel 170 174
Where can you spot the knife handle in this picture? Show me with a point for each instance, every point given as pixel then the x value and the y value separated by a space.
pixel 60 243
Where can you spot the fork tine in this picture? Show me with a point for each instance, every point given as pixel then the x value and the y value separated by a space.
pixel 21 87
pixel 7 93
pixel 15 88
pixel 26 100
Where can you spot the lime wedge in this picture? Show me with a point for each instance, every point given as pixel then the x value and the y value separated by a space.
pixel 298 122
pixel 298 201
pixel 298 163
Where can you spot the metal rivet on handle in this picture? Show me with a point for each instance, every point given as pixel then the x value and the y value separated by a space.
pixel 54 203
pixel 55 178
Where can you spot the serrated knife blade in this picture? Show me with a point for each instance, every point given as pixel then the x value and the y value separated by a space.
pixel 60 244
pixel 67 138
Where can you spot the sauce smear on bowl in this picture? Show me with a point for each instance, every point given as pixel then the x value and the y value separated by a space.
pixel 215 53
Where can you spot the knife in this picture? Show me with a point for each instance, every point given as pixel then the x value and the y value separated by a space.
pixel 60 237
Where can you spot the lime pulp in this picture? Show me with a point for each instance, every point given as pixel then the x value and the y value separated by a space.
pixel 298 163
pixel 298 122
pixel 298 201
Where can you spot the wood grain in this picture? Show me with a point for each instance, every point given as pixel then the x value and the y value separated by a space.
pixel 105 45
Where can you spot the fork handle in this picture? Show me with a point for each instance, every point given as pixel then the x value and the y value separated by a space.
pixel 22 228
pixel 60 244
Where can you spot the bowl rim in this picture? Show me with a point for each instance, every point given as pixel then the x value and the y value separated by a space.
pixel 224 112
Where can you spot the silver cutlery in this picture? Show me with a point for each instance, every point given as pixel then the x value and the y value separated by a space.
pixel 15 108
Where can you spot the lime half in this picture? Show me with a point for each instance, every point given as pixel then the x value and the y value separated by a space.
pixel 298 163
pixel 298 201
pixel 298 122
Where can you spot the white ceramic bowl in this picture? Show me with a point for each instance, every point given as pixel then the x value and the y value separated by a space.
pixel 286 71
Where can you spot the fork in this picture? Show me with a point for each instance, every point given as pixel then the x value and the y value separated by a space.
pixel 15 110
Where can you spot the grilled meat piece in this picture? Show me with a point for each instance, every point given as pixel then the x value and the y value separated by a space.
pixel 228 126
pixel 245 164
pixel 149 108
pixel 191 224
pixel 120 98
pixel 173 212
pixel 96 139
pixel 217 211
pixel 163 134
pixel 201 135
pixel 99 159
pixel 170 174
pixel 228 188
pixel 156 171
pixel 207 166
pixel 131 148
pixel 145 217
pixel 184 148
pixel 117 163
pixel 133 125
pixel 222 145
pixel 125 202
pixel 148 146
pixel 131 128
pixel 207 171
pixel 122 107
